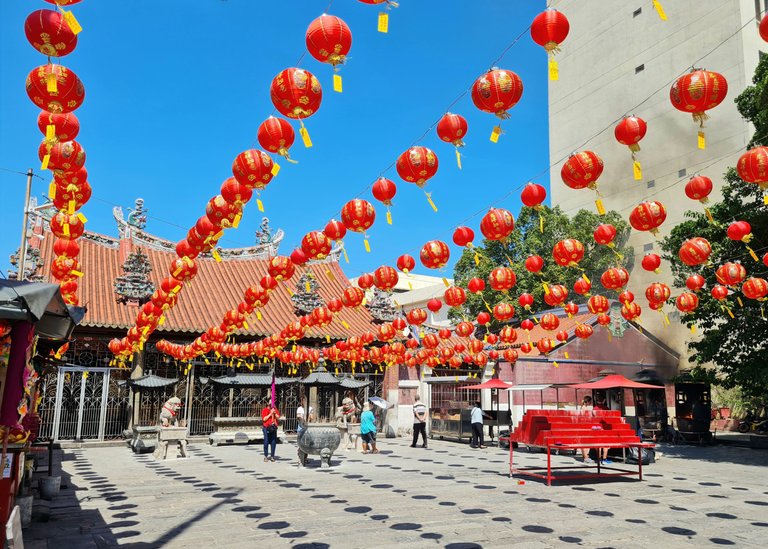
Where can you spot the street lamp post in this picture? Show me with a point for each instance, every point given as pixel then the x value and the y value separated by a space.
pixel 23 247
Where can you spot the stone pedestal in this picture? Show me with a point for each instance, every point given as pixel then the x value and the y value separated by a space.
pixel 320 439
pixel 173 437
pixel 144 439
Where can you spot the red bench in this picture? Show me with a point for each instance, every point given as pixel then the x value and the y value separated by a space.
pixel 572 430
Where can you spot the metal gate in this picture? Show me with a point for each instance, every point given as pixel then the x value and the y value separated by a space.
pixel 82 404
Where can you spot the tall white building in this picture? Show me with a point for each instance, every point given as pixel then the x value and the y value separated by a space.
pixel 620 58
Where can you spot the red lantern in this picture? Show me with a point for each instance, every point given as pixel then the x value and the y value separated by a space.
pixel 67 248
pixel 335 305
pixel 358 215
pixel 483 318
pixel 527 325
pixel 444 333
pixel 719 292
pixel 463 236
pixel 629 131
pixel 582 170
pixel 73 198
pixel 603 319
pixel 502 279
pixel 280 268
pixel 765 259
pixel 365 281
pixel 183 269
pixel 764 28
pixel 352 297
pixel 752 166
pixel 631 311
pixel 614 278
pixel 455 296
pixel 698 188
pixel 69 91
pixel 384 190
pixel 298 257
pixel 695 251
pixel 648 216
pixel 386 333
pixel 476 285
pixel 435 254
pixel 67 226
pixel 526 348
pixel 598 304
pixel 687 302
pixel 62 267
pixel 253 169
pixel 222 213
pixel 503 312
pixel 406 263
pixel 651 263
pixel 335 230
pixel 549 322
pixel 562 336
pixel 583 331
pixel 510 355
pixel 604 234
pixel 545 345
pixel 556 296
pixel 66 126
pixel 568 253
pixel 534 263
pixel 526 301
pixel 276 135
pixel 74 178
pixel 268 282
pixel 416 317
pixel 571 308
pixel 533 195
pixel 64 157
pixel 417 165
pixel 235 193
pixel 582 287
pixel 464 329
pixel 385 278
pixel 171 285
pixel 697 92
pixel 257 297
pixel 755 288
pixel 549 29
pixel 49 33
pixel 452 128
pixel 740 231
pixel 316 245
pixel 296 93
pixel 329 40
pixel 497 224
pixel 626 297
pixel 508 334
pixel 497 91
pixel 434 305
pixel 731 274
pixel 430 341
pixel 695 282
pixel 657 293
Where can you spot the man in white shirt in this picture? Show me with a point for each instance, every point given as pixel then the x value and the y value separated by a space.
pixel 419 422
pixel 476 419
pixel 301 419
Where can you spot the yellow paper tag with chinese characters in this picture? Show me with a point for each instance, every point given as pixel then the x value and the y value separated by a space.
pixel 245 325
pixel 495 134
pixel 367 245
pixel 567 355
pixel 383 25
pixel 65 227
pixel 337 86
pixel 50 132
pixel 586 278
pixel 458 158
pixel 702 141
pixel 660 10
pixel 258 315
pixel 51 84
pixel 44 164
pixel 72 23
pixel 346 257
pixel 637 170
pixel 554 72
pixel 275 169
pixel 82 218
pixel 389 217
pixel 78 273
pixel 52 190
pixel 216 256
pixel 260 204
pixel 327 338
pixel 305 137
pixel 600 207
pixel 431 203
pixel 344 323
pixel 236 221
pixel 71 207
pixel 546 287
pixel 447 284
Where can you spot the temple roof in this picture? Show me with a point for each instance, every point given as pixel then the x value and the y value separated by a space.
pixel 321 377
pixel 349 383
pixel 248 380
pixel 218 287
pixel 151 381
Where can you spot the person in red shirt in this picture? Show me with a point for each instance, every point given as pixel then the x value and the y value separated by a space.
pixel 269 419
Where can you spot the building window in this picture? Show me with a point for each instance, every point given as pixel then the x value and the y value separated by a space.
pixel 639 68
pixel 651 184
pixel 682 173
pixel 638 11
pixel 648 247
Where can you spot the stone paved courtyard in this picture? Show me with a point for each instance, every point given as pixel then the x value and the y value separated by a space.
pixel 446 496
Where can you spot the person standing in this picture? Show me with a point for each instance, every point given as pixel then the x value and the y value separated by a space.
pixel 586 407
pixel 419 422
pixel 602 453
pixel 368 430
pixel 476 419
pixel 303 417
pixel 269 420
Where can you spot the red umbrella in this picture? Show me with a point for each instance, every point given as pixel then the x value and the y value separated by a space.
pixel 491 384
pixel 614 381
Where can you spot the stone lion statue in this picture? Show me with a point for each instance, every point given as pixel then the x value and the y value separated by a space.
pixel 169 413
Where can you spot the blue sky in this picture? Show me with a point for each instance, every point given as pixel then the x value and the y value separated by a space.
pixel 175 90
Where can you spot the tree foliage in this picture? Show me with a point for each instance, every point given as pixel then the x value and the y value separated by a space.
pixel 737 346
pixel 528 239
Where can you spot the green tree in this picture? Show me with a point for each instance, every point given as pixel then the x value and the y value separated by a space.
pixel 737 346
pixel 528 239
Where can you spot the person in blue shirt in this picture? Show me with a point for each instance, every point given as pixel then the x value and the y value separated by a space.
pixel 368 430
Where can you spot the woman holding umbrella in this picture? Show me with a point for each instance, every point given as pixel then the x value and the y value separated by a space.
pixel 368 429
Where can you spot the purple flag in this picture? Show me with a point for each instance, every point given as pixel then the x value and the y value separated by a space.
pixel 272 399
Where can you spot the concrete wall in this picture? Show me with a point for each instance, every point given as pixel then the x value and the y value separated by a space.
pixel 600 82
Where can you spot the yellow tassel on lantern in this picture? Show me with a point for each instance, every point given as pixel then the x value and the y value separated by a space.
pixel 741 303
pixel 76 273
pixel 567 355
pixel 236 221
pixel 389 217
pixel 637 170
pixel 367 245
pixel 72 23
pixel 554 72
pixel 600 207
pixel 327 338
pixel 541 223
pixel 383 24
pixel 329 274
pixel 65 228
pixel 346 257
pixel 447 284
pixel 216 256
pixel 50 132
pixel 161 321
pixel 51 84
pixel 586 278
pixel 429 199
pixel 52 190
pixel 709 215
pixel 44 163
pixel 660 10
pixel 337 86
pixel 458 157
pixel 495 133
pixel 260 205
pixel 753 254
pixel 546 287
pixel 275 169
pixel 258 315
pixel 304 135
pixel 702 141
pixel 82 218
pixel 344 323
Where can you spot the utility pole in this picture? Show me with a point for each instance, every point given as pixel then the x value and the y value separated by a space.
pixel 23 247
